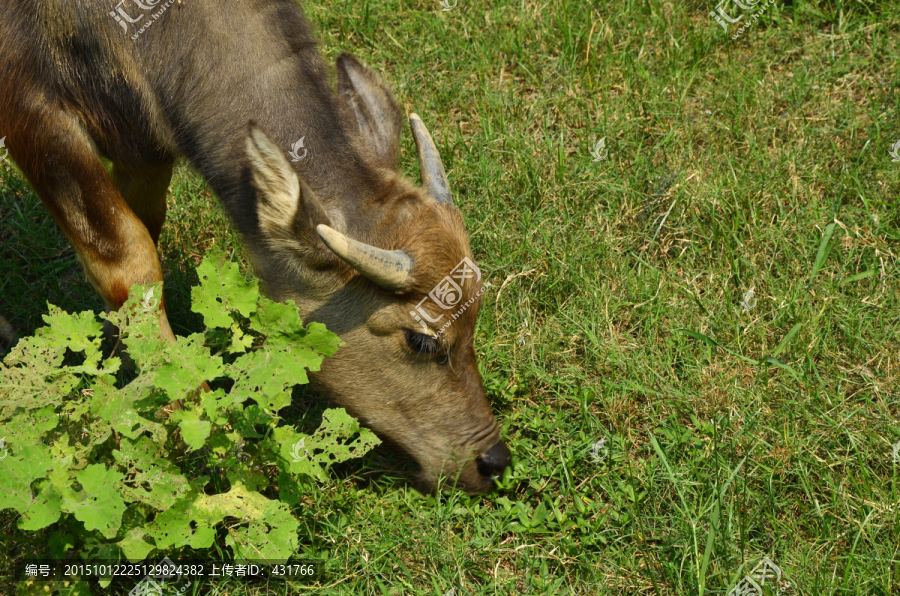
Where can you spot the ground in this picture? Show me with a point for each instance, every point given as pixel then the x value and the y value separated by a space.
pixel 713 293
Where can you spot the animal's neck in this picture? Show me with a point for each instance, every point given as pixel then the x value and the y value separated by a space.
pixel 259 64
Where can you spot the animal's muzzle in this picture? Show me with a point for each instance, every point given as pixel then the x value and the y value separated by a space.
pixel 494 461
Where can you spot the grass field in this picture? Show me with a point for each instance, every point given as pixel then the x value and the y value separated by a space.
pixel 615 311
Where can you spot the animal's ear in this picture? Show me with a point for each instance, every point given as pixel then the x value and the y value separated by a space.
pixel 287 207
pixel 377 113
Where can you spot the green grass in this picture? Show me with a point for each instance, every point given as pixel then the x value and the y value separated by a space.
pixel 614 308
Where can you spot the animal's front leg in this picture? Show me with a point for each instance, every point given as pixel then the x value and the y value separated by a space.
pixel 111 241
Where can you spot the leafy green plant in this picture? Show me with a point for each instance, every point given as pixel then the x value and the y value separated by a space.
pixel 125 467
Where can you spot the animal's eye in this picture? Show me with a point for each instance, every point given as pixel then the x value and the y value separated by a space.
pixel 424 344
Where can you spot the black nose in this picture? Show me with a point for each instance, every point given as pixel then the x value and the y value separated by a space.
pixel 494 461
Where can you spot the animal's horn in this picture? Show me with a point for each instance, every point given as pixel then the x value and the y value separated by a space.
pixel 390 269
pixel 434 178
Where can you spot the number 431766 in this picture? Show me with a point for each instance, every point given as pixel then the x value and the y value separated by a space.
pixel 297 569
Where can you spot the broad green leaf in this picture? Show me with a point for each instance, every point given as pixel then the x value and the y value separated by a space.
pixel 172 527
pixel 149 479
pixel 321 339
pixel 221 442
pixel 202 537
pixel 217 403
pixel 28 428
pixel 39 507
pixel 239 341
pixel 194 431
pixel 39 352
pixel 116 406
pixel 42 403
pixel 238 502
pixel 290 490
pixel 134 546
pixel 329 440
pixel 78 332
pixel 295 450
pixel 277 320
pixel 31 378
pixel 138 323
pixel 187 363
pixel 43 511
pixel 98 505
pixel 222 288
pixel 247 476
pixel 281 324
pixel 271 539
pixel 262 374
pixel 275 402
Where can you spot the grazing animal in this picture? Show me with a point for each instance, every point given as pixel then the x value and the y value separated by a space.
pixel 234 87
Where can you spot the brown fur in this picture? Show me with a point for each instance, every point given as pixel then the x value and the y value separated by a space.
pixel 74 87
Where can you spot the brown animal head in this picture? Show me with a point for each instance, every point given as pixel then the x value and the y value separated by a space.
pixel 392 274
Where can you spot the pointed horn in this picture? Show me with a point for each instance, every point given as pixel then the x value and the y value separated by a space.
pixel 390 269
pixel 434 179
